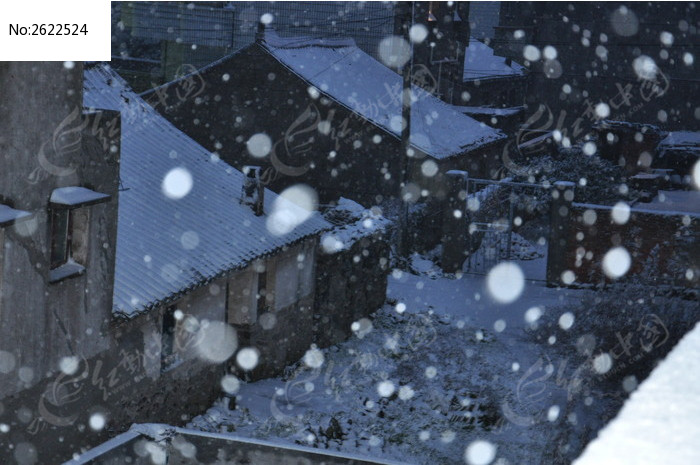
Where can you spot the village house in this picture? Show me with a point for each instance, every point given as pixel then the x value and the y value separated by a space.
pixel 493 88
pixel 205 274
pixel 209 264
pixel 59 181
pixel 325 113
pixel 491 79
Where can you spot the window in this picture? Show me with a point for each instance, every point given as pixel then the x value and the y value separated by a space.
pixel 287 280
pixel 294 277
pixel 306 261
pixel 168 352
pixel 60 237
pixel 69 215
pixel 263 296
pixel 242 297
pixel 69 241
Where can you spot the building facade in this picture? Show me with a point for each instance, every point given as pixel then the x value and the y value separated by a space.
pixel 329 116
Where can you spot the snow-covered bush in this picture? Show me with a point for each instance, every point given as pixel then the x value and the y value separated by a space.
pixel 619 332
pixel 598 181
pixel 603 347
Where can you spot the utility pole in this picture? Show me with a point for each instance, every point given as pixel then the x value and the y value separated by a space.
pixel 406 73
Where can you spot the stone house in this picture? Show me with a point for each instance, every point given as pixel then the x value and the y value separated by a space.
pixel 192 276
pixel 492 80
pixel 325 113
pixel 197 257
pixel 59 180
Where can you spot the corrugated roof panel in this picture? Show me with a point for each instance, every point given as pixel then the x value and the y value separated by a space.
pixel 346 73
pixel 481 63
pixel 167 243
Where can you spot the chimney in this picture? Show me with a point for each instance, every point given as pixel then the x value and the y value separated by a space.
pixel 252 191
pixel 260 32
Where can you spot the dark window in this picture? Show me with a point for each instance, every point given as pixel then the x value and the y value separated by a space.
pixel 167 348
pixel 60 237
pixel 262 292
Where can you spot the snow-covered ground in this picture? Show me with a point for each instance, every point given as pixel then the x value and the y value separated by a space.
pixel 659 424
pixel 453 369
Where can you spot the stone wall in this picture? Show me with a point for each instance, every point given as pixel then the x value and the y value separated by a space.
pixel 661 246
pixel 350 284
pixel 48 141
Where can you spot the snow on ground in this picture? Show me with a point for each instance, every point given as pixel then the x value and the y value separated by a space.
pixel 439 368
pixel 448 371
pixel 659 423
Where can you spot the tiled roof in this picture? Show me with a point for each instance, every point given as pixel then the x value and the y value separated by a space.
pixel 481 63
pixel 342 71
pixel 167 245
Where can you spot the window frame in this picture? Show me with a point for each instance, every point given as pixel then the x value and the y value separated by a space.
pixel 70 201
pixel 169 327
pixel 65 239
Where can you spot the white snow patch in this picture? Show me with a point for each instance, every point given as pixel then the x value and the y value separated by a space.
pixel 659 422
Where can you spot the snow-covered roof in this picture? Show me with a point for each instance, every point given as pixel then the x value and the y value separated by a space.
pixel 9 215
pixel 489 111
pixel 73 196
pixel 352 222
pixel 682 139
pixel 481 63
pixel 180 218
pixel 659 422
pixel 339 69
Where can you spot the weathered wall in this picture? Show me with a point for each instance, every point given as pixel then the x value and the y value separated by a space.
pixel 221 107
pixel 126 383
pixel 661 246
pixel 46 141
pixel 350 284
pixel 281 328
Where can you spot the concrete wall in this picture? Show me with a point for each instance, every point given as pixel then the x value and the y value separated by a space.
pixel 281 328
pixel 350 284
pixel 46 141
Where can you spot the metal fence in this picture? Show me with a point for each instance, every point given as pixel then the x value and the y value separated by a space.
pixel 494 208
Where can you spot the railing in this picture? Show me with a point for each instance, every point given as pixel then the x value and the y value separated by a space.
pixel 492 207
pixel 152 443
